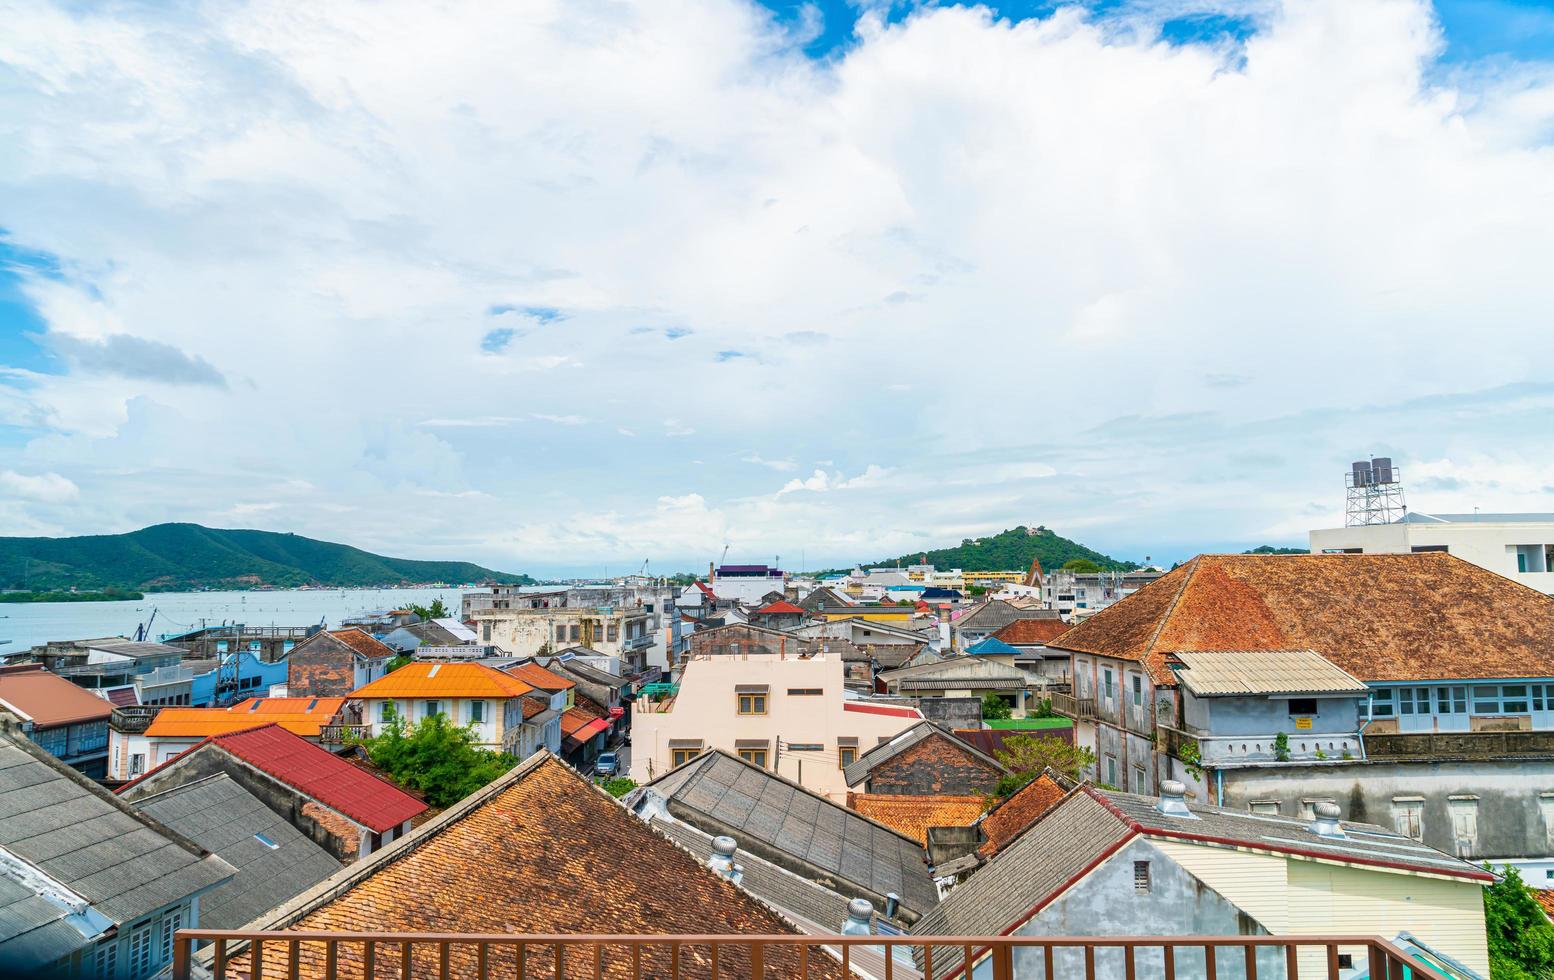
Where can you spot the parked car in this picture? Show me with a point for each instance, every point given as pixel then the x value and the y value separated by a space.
pixel 606 765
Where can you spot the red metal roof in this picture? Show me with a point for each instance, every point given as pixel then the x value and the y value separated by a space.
pixel 780 607
pixel 372 802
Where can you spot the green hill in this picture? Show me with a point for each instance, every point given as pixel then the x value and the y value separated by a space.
pixel 1010 550
pixel 187 556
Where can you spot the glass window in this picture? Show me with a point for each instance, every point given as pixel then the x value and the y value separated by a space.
pixel 1451 700
pixel 477 712
pixel 561 633
pixel 752 704
pixel 386 712
pixel 1111 770
pixel 845 756
pixel 1303 706
pixel 679 757
pixel 1486 700
pixel 1138 690
pixel 613 632
pixel 1381 703
pixel 754 756
pixel 1513 698
pixel 433 708
pixel 1107 684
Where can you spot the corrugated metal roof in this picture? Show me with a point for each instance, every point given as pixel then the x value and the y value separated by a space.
pixel 1220 673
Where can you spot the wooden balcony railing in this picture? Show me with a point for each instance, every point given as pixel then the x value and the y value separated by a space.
pixel 1073 707
pixel 240 955
pixel 340 734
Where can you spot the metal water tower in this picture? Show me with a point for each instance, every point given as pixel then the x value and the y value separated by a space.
pixel 1375 493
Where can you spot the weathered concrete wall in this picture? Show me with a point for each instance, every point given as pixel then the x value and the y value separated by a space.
pixel 1265 716
pixel 934 767
pixel 951 712
pixel 1514 819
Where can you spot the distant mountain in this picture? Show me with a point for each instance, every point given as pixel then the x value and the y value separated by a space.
pixel 1010 550
pixel 170 557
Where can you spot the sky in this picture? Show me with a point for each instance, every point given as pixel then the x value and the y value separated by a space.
pixel 566 287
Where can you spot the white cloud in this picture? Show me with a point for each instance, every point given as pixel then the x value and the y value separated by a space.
pixel 780 465
pixel 1158 292
pixel 46 487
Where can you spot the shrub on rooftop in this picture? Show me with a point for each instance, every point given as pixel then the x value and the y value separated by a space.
pixel 437 758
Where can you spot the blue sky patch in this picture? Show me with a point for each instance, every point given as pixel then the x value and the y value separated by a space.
pixel 544 314
pixel 20 323
pixel 496 341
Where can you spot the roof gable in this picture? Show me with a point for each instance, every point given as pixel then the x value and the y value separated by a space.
pixel 912 737
pixel 121 860
pixel 539 851
pixel 47 699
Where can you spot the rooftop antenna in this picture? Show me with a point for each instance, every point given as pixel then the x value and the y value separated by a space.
pixel 1375 493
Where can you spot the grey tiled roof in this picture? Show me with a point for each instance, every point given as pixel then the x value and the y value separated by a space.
pixel 223 817
pixel 995 614
pixel 34 930
pixel 807 902
pixel 776 819
pixel 885 751
pixel 1047 856
pixel 124 863
pixel 1364 843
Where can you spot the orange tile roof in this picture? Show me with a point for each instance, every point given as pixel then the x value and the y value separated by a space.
pixel 300 716
pixel 536 676
pixel 1545 899
pixel 48 699
pixel 538 852
pixel 1428 616
pixel 1032 632
pixel 1010 818
pixel 456 680
pixel 913 815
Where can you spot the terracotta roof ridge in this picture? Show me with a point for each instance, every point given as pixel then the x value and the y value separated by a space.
pixel 1192 569
pixel 351 875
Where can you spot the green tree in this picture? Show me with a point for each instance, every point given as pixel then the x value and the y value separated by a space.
pixel 398 662
pixel 1025 756
pixel 436 758
pixel 437 610
pixel 1081 566
pixel 619 786
pixel 994 708
pixel 1521 939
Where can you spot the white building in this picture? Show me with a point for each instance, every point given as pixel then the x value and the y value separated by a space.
pixel 486 701
pixel 1518 546
pixel 786 713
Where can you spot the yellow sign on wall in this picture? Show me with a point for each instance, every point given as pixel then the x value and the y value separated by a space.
pixel 1304 724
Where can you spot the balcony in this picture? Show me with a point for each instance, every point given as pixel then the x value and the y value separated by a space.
pixel 349 956
pixel 1408 746
pixel 341 734
pixel 1234 751
pixel 1073 707
pixel 133 720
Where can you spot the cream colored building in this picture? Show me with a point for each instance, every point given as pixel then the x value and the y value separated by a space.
pixel 786 713
pixel 1518 546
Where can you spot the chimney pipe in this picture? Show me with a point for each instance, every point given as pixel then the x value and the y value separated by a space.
pixel 1173 800
pixel 892 905
pixel 1326 823
pixel 860 911
pixel 722 860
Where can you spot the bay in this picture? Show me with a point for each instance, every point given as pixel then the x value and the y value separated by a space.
pixel 23 625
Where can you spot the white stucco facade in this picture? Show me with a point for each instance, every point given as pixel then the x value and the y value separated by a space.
pixel 1518 546
pixel 789 714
